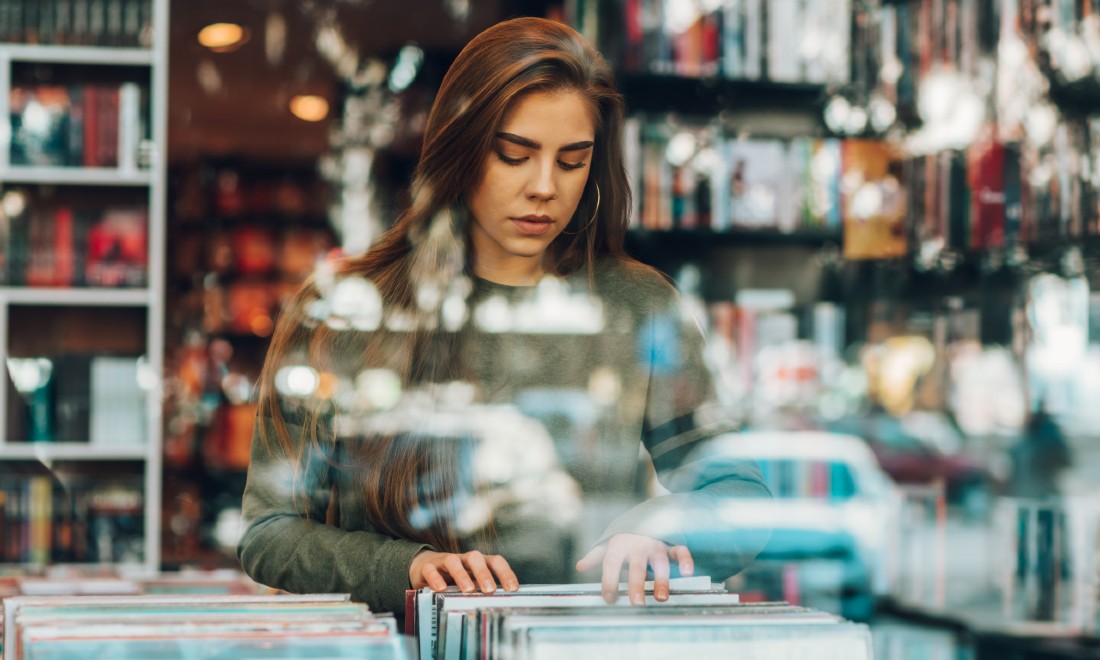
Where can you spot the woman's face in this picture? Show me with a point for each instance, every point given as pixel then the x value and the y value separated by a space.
pixel 532 182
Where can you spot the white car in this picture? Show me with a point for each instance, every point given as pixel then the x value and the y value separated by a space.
pixel 829 498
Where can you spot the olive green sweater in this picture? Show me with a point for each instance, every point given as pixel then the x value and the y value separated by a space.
pixel 621 350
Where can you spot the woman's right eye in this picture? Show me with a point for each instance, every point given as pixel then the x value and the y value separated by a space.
pixel 509 160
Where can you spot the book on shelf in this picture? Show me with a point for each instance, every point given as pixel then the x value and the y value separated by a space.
pixel 986 181
pixel 873 201
pixel 116 248
pixel 72 397
pixel 117 409
pixel 32 379
pixel 90 125
pixel 757 185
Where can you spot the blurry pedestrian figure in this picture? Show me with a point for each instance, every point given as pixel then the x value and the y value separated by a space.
pixel 1038 461
pixel 1040 457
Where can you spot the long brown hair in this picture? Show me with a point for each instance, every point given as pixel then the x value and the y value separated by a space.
pixel 426 247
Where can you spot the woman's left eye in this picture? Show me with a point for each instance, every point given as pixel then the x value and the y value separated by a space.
pixel 510 160
pixel 571 166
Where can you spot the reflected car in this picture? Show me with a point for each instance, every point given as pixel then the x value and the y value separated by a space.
pixel 830 500
pixel 923 447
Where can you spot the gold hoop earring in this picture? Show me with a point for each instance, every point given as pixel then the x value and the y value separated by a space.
pixel 593 219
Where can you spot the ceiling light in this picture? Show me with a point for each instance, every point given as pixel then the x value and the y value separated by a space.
pixel 308 107
pixel 223 37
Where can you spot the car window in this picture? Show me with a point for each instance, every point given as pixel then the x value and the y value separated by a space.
pixel 799 479
pixel 934 429
pixel 890 432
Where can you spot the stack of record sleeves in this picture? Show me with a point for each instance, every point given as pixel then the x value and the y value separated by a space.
pixel 699 621
pixel 198 626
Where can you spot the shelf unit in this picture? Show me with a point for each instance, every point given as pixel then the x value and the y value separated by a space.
pixel 148 298
pixel 650 92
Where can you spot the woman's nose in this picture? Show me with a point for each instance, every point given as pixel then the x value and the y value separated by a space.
pixel 542 186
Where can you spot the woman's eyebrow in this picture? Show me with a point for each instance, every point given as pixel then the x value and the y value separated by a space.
pixel 531 144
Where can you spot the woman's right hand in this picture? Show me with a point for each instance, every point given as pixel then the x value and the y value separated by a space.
pixel 469 571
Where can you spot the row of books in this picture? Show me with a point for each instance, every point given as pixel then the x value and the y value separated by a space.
pixel 1076 20
pixel 920 37
pixel 699 619
pixel 1065 198
pixel 191 626
pixel 1026 39
pixel 998 194
pixel 778 40
pixel 120 23
pixel 93 125
pixel 697 177
pixel 241 308
pixel 46 521
pixel 252 249
pixel 990 195
pixel 80 398
pixel 73 246
pixel 212 195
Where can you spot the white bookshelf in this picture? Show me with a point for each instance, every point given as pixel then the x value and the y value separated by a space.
pixel 77 176
pixel 47 452
pixel 149 298
pixel 81 55
pixel 73 297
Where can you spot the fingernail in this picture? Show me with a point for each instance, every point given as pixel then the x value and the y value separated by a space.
pixel 512 585
pixel 660 594
pixel 637 599
pixel 488 586
pixel 467 588
pixel 610 596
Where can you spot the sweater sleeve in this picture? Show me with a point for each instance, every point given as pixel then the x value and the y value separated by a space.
pixel 682 413
pixel 286 543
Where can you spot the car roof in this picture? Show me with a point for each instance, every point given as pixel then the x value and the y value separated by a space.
pixel 803 445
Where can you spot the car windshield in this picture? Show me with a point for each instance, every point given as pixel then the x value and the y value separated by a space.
pixel 802 479
pixel 892 433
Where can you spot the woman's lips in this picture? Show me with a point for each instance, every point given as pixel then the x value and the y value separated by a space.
pixel 531 225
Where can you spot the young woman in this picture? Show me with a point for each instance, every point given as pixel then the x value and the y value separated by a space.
pixel 506 281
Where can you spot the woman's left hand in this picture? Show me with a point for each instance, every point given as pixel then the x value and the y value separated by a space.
pixel 639 553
